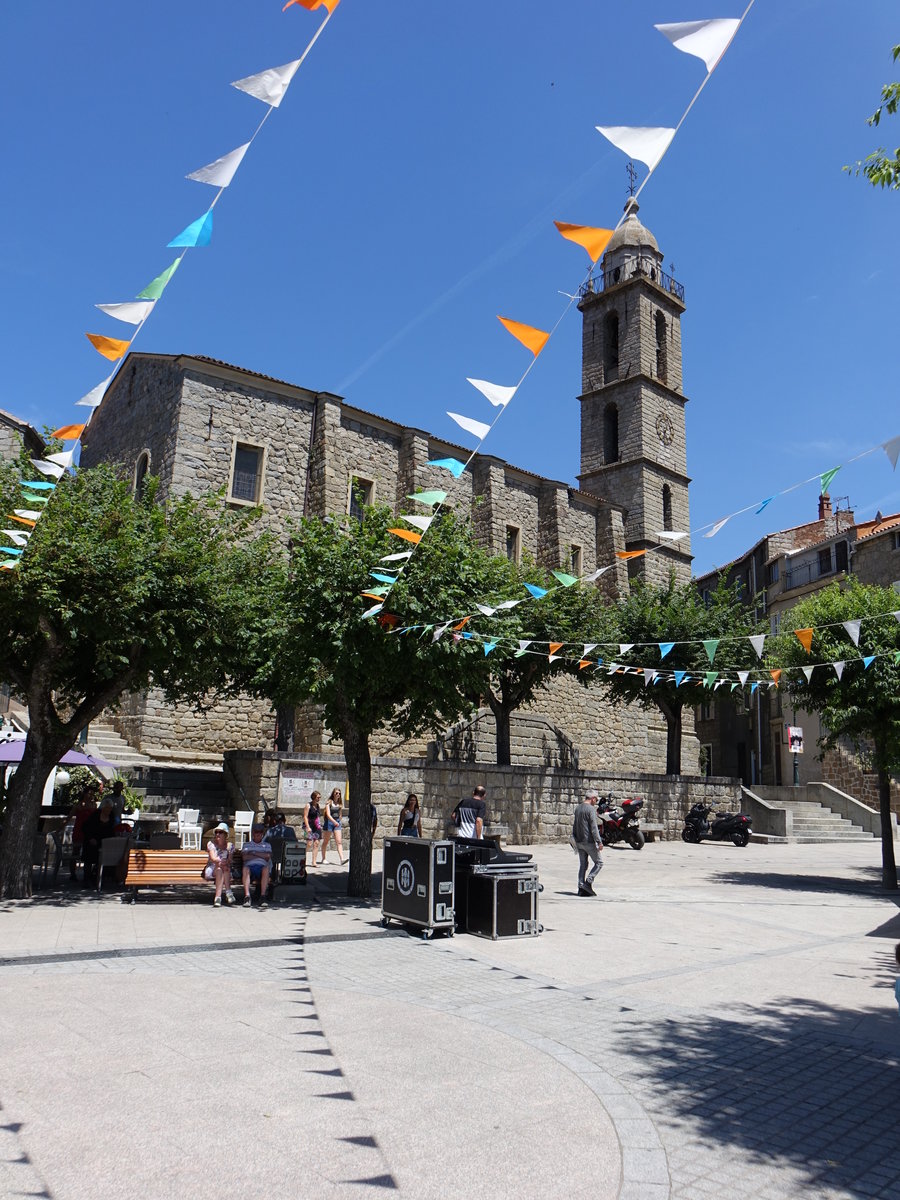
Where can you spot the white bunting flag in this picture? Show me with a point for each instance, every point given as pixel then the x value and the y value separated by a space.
pixel 92 398
pixel 612 668
pixel 896 614
pixel 588 647
pixel 838 668
pixel 419 522
pixel 892 450
pixel 476 428
pixel 498 395
pixel 523 646
pixel 17 538
pixel 133 312
pixel 29 514
pixel 396 557
pixel 63 459
pixel 852 628
pixel 807 671
pixel 48 468
pixel 440 631
pixel 647 143
pixel 649 675
pixel 595 575
pixel 743 676
pixel 509 604
pixel 718 525
pixel 486 609
pixel 269 85
pixel 553 657
pixel 757 643
pixel 221 172
pixel 624 647
pixel 704 39
pixel 671 535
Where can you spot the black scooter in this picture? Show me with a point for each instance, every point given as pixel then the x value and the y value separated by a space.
pixel 727 827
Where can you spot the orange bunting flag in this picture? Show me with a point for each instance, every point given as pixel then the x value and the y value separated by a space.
pixel 111 348
pixel 372 596
pixel 68 432
pixel 407 535
pixel 388 620
pixel 593 240
pixel 22 520
pixel 312 5
pixel 776 675
pixel 533 339
pixel 462 624
pixel 630 553
pixel 554 646
pixel 585 662
pixel 804 637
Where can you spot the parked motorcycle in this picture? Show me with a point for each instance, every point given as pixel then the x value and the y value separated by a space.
pixel 620 822
pixel 727 827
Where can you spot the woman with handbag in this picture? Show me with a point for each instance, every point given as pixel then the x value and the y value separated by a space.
pixel 332 823
pixel 312 825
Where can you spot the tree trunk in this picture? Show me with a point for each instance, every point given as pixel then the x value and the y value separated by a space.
pixel 502 721
pixel 888 865
pixel 672 714
pixel 359 776
pixel 285 728
pixel 20 821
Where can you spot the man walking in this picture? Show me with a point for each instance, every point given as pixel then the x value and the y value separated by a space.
pixel 586 837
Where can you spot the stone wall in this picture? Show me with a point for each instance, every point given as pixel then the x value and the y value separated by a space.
pixel 534 804
pixel 845 770
pixel 876 558
pixel 178 733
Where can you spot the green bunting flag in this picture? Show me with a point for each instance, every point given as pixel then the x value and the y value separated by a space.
pixel 430 498
pixel 827 478
pixel 564 579
pixel 711 645
pixel 157 286
pixel 711 677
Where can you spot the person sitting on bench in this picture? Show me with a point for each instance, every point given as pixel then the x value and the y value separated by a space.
pixel 218 868
pixel 257 864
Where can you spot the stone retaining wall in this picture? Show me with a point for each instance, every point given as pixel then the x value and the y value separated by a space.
pixel 534 803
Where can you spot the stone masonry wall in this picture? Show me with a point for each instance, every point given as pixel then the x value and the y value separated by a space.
pixel 844 770
pixel 533 805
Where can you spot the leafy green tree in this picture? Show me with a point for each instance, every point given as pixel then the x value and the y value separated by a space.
pixel 113 593
pixel 861 705
pixel 652 616
pixel 508 680
pixel 882 168
pixel 315 644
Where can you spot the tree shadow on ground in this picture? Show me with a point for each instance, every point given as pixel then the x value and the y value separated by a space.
pixel 860 881
pixel 793 1084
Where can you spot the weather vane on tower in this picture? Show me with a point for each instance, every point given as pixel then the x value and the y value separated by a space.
pixel 632 176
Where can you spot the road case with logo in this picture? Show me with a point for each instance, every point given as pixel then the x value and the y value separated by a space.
pixel 502 901
pixel 418 883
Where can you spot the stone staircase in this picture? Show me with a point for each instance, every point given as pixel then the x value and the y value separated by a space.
pixel 813 822
pixel 105 742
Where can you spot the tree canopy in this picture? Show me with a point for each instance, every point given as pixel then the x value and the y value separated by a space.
pixel 649 619
pixel 113 593
pixel 859 704
pixel 317 645
pixel 881 167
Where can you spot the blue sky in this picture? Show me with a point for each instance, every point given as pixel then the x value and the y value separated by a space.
pixel 404 194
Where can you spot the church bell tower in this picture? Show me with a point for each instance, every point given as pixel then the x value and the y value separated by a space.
pixel 633 449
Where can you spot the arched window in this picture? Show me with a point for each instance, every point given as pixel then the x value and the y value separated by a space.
pixel 667 506
pixel 140 473
pixel 662 364
pixel 610 434
pixel 611 346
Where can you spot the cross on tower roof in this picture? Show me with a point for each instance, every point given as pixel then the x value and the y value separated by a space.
pixel 632 176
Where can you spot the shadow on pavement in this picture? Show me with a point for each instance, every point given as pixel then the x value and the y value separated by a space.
pixel 862 882
pixel 793 1085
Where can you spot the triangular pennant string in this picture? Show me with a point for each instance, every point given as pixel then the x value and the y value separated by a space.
pixel 111 348
pixel 157 286
pixel 132 312
pixel 221 172
pixel 453 465
pixel 429 498
pixel 477 428
pixel 826 479
pixel 852 628
pixel 271 85
pixel 807 671
pixel 804 637
pixel 647 143
pixel 711 645
pixel 892 450
pixel 532 339
pixel 868 659
pixel 839 668
pixel 498 396
pixel 757 642
pixel 664 648
pixel 593 240
pixel 706 40
pixel 198 233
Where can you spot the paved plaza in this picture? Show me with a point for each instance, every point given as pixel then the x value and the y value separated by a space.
pixel 718 1023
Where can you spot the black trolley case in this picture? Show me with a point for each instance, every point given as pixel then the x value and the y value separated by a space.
pixel 502 900
pixel 417 884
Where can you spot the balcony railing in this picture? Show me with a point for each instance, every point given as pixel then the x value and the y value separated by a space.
pixel 637 268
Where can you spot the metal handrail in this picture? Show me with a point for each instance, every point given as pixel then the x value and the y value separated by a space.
pixel 636 268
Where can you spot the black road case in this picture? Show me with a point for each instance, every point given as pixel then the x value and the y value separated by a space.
pixel 502 901
pixel 417 885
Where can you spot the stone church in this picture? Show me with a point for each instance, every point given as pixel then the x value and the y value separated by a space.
pixel 200 424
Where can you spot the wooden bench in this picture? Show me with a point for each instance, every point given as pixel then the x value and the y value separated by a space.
pixel 653 830
pixel 169 868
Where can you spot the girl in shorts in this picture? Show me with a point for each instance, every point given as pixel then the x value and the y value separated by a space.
pixel 312 824
pixel 333 826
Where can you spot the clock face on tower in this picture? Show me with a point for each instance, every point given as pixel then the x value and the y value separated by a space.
pixel 665 429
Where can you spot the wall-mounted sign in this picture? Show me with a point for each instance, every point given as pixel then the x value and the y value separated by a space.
pixel 795 739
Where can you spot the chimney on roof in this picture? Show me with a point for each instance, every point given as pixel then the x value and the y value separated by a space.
pixel 824 506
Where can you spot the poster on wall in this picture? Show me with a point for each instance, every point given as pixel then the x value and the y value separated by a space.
pixel 795 739
pixel 296 783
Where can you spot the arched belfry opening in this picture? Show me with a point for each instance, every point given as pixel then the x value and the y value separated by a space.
pixel 611 434
pixel 611 347
pixel 662 361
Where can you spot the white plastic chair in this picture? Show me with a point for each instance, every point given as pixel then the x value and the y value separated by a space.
pixel 243 822
pixel 112 851
pixel 189 828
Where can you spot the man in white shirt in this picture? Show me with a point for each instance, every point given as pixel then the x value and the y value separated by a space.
pixel 470 814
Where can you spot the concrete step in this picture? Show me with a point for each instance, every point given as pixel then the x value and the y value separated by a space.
pixel 858 835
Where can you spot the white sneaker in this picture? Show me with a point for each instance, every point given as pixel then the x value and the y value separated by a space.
pixel 229 897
